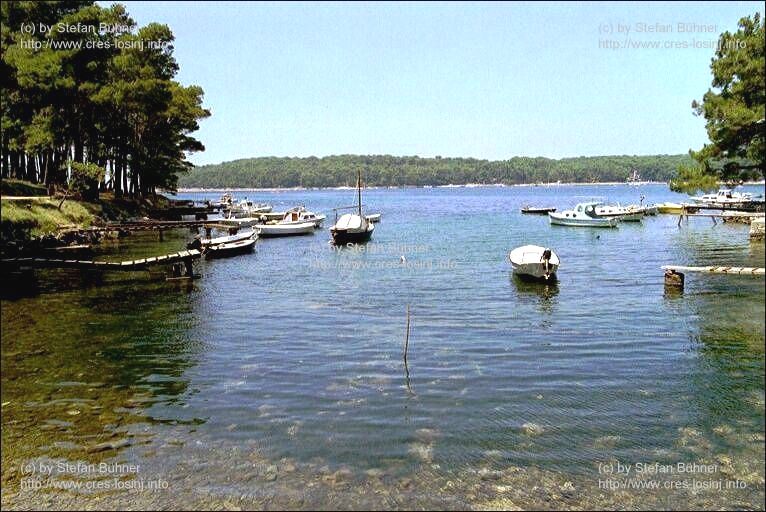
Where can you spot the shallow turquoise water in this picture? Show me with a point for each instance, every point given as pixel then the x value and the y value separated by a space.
pixel 297 348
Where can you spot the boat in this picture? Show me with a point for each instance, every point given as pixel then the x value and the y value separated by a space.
pixel 287 229
pixel 206 242
pixel 240 222
pixel 675 208
pixel 225 202
pixel 584 215
pixel 352 228
pixel 538 210
pixel 230 249
pixel 299 215
pixel 248 208
pixel 373 217
pixel 724 197
pixel 651 209
pixel 534 261
pixel 622 213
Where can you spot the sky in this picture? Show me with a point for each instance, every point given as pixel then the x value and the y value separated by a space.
pixel 484 80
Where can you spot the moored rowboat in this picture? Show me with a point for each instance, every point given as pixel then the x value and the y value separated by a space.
pixel 228 239
pixel 302 228
pixel 230 249
pixel 534 261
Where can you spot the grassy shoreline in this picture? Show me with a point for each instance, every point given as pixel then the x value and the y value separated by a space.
pixel 25 218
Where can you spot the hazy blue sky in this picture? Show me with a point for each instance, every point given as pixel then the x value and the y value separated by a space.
pixel 482 80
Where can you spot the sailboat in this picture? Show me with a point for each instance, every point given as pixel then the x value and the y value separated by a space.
pixel 352 228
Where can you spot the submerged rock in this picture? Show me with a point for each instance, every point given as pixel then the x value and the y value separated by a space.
pixel 532 429
pixel 606 442
pixel 422 451
pixel 488 474
pixel 109 445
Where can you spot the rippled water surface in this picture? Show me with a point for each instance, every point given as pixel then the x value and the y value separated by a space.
pixel 277 379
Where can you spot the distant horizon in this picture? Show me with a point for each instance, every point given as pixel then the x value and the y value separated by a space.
pixel 439 157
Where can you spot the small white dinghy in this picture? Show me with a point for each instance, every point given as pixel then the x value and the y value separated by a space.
pixel 230 249
pixel 301 228
pixel 534 261
pixel 245 235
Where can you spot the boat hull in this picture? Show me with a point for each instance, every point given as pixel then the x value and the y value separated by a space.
pixel 534 271
pixel 631 217
pixel 240 222
pixel 537 211
pixel 344 237
pixel 231 249
pixel 671 208
pixel 228 239
pixel 583 223
pixel 275 230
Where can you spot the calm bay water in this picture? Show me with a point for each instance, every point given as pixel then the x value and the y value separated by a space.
pixel 278 379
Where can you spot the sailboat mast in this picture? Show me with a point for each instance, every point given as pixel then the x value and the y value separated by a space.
pixel 359 192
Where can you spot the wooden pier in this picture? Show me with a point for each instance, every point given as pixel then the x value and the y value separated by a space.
pixel 153 225
pixel 745 271
pixel 187 257
pixel 732 215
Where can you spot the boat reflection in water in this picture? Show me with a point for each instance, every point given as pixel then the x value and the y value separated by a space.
pixel 529 288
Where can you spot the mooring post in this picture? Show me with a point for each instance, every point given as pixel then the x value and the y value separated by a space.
pixel 674 279
pixel 189 262
pixel 208 232
pixel 160 230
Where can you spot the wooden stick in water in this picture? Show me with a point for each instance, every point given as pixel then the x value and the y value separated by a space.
pixel 406 348
pixel 407 336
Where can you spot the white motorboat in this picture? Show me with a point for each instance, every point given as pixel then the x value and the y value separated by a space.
pixel 288 229
pixel 534 261
pixel 584 215
pixel 352 228
pixel 373 217
pixel 247 208
pixel 245 235
pixel 724 197
pixel 299 215
pixel 622 213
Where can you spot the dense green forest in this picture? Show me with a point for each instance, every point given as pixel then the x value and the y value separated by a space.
pixel 386 170
pixel 734 109
pixel 89 100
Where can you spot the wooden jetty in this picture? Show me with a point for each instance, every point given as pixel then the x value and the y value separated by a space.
pixel 746 271
pixel 147 225
pixel 187 257
pixel 732 215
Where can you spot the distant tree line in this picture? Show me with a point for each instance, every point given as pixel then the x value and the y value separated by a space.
pixel 89 99
pixel 386 170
